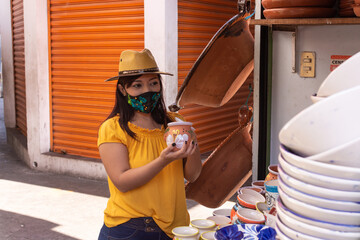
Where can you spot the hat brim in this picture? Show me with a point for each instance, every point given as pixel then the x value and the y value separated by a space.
pixel 137 73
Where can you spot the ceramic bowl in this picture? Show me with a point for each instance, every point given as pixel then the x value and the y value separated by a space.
pixel 222 212
pixel 320 167
pixel 323 214
pixel 315 231
pixel 318 179
pixel 220 220
pixel 246 215
pixel 262 207
pixel 246 231
pixel 329 123
pixel 203 225
pixel 320 202
pixel 210 235
pixel 314 190
pixel 185 232
pixel 179 133
pixel 315 98
pixel 258 184
pixel 250 200
pixel 346 154
pixel 343 77
pixel 293 234
pixel 322 224
pixel 245 189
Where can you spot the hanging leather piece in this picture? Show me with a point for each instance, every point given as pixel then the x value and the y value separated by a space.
pixel 224 171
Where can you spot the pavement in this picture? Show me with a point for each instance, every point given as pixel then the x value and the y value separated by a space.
pixel 41 205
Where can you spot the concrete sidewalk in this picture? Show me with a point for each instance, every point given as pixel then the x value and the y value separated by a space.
pixel 39 205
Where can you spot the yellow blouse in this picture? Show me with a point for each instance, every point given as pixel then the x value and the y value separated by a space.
pixel 163 197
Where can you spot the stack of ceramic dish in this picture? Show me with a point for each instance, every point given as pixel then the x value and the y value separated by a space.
pixel 345 76
pixel 298 8
pixel 319 167
pixel 244 211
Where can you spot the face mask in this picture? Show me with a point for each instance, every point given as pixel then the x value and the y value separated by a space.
pixel 145 102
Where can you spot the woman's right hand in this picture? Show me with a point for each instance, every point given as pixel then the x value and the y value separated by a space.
pixel 171 153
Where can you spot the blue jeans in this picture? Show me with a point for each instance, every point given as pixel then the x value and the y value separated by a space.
pixel 136 228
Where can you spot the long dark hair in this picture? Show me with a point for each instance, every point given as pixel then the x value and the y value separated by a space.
pixel 127 112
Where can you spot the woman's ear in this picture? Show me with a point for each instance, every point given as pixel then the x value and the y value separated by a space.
pixel 122 90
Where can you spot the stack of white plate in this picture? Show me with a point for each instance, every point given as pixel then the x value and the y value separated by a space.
pixel 319 170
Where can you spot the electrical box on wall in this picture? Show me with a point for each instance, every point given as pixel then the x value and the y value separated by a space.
pixel 307 64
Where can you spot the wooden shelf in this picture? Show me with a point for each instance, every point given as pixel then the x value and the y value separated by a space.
pixel 306 21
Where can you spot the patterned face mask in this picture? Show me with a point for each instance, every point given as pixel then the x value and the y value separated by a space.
pixel 145 102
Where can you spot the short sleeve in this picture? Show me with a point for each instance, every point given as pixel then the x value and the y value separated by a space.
pixel 111 132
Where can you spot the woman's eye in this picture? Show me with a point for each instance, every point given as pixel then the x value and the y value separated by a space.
pixel 137 85
pixel 154 83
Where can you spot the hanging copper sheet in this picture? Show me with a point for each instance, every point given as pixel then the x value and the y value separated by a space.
pixel 221 68
pixel 225 170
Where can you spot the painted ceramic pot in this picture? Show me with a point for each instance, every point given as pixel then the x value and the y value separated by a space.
pixel 185 233
pixel 273 173
pixel 236 207
pixel 210 235
pixel 179 133
pixel 271 194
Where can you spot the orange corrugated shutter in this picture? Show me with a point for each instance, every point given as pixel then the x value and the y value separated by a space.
pixel 86 39
pixel 17 15
pixel 198 22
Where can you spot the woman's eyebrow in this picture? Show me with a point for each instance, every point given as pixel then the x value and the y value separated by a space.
pixel 153 78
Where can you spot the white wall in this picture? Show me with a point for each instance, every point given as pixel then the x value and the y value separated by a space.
pixel 7 64
pixel 290 92
pixel 161 37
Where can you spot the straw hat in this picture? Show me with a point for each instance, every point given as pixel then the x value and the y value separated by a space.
pixel 137 63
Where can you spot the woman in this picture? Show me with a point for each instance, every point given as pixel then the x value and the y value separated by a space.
pixel 146 178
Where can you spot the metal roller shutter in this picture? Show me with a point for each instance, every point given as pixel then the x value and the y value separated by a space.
pixel 17 15
pixel 198 22
pixel 86 39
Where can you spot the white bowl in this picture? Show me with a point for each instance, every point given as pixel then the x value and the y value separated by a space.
pixel 292 234
pixel 315 98
pixel 347 154
pixel 317 223
pixel 222 212
pixel 318 191
pixel 345 76
pixel 307 210
pixel 220 220
pixel 318 201
pixel 314 230
pixel 320 167
pixel 324 125
pixel 318 179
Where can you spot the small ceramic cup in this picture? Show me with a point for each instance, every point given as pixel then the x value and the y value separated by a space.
pixel 273 173
pixel 222 212
pixel 262 207
pixel 179 133
pixel 185 233
pixel 220 220
pixel 210 235
pixel 203 225
pixel 271 192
